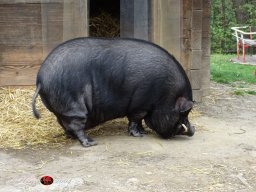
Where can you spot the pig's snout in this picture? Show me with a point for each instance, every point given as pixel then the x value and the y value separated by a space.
pixel 191 131
pixel 186 130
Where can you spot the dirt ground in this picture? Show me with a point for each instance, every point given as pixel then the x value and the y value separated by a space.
pixel 221 156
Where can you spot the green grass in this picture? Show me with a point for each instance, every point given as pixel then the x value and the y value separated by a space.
pixel 224 71
pixel 251 92
pixel 244 92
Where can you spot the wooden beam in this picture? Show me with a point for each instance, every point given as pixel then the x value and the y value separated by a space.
pixel 52 22
pixel 20 43
pixel 75 19
pixel 135 19
pixel 29 1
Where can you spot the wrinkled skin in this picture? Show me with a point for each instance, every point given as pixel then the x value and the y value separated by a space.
pixel 87 81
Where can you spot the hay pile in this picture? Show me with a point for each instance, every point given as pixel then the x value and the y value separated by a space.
pixel 104 25
pixel 194 114
pixel 19 129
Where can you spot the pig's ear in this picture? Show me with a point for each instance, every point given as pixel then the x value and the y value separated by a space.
pixel 183 105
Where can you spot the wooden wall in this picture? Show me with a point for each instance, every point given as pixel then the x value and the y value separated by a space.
pixel 30 29
pixel 206 47
pixel 196 44
pixel 20 43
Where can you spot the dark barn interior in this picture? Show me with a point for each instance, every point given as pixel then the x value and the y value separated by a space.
pixel 104 18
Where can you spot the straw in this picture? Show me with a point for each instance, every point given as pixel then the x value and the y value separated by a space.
pixel 104 25
pixel 19 129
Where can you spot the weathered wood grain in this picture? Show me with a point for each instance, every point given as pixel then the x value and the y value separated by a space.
pixel 20 55
pixel 75 19
pixel 52 26
pixel 18 75
pixel 29 1
pixel 20 43
pixel 167 29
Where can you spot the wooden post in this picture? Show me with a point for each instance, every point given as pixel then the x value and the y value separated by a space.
pixel 127 18
pixel 75 19
pixel 206 47
pixel 166 22
pixel 134 19
pixel 141 19
pixel 52 17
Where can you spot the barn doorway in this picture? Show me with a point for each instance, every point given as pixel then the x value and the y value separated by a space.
pixel 104 18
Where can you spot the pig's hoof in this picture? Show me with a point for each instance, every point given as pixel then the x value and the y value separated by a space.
pixel 89 142
pixel 135 132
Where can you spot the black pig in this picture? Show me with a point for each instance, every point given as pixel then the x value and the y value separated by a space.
pixel 87 81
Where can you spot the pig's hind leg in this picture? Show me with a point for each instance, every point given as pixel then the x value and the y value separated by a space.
pixel 75 127
pixel 69 134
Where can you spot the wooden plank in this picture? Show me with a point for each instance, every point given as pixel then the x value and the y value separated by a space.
pixel 207 8
pixel 197 4
pixel 185 56
pixel 206 47
pixel 127 18
pixel 30 28
pixel 167 25
pixel 29 1
pixel 195 79
pixel 187 8
pixel 196 39
pixel 186 38
pixel 20 43
pixel 20 55
pixel 196 59
pixel 155 20
pixel 52 26
pixel 20 34
pixel 134 19
pixel 197 19
pixel 205 75
pixel 18 75
pixel 20 24
pixel 141 21
pixel 75 19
